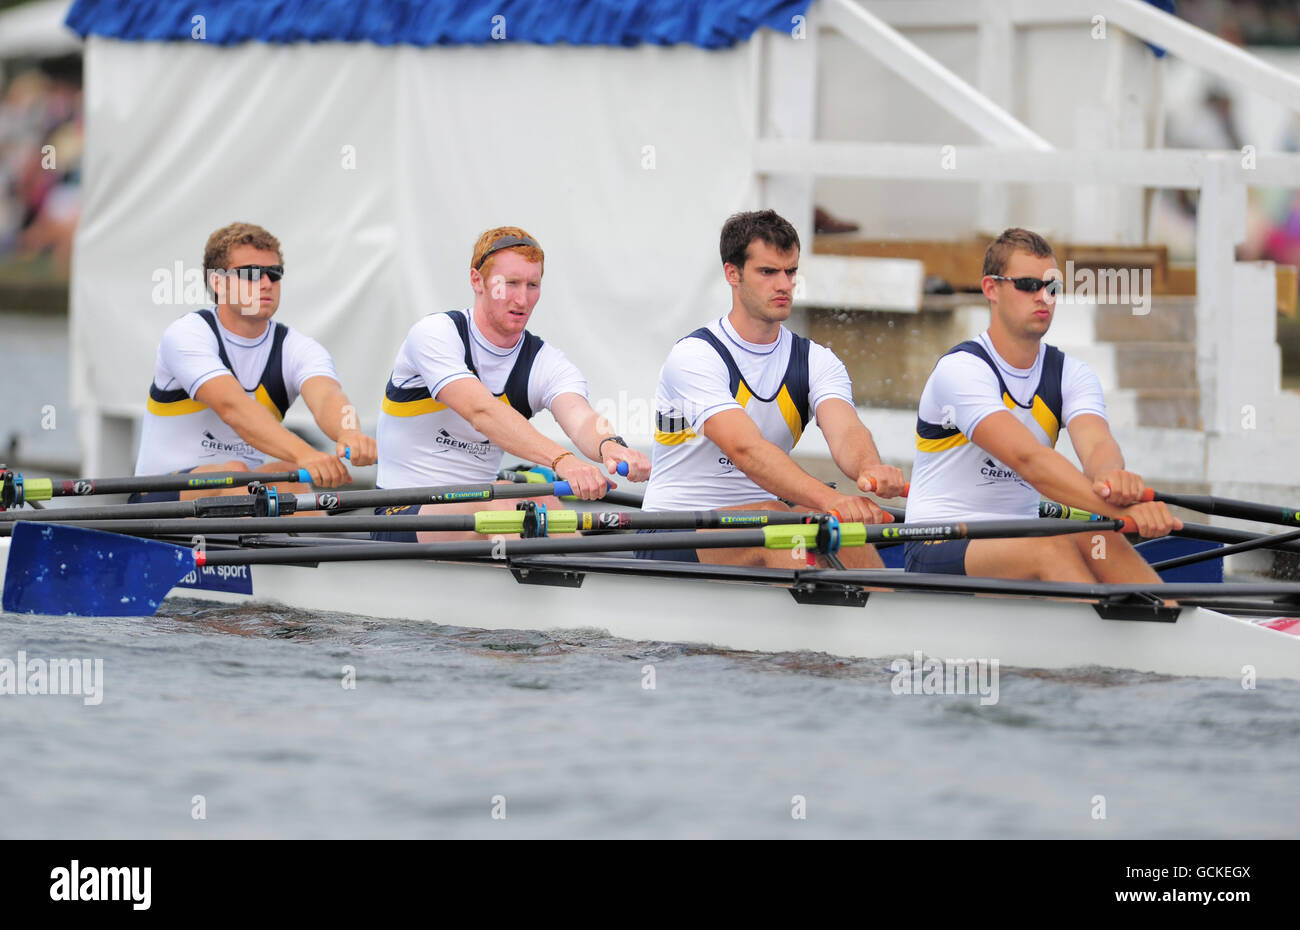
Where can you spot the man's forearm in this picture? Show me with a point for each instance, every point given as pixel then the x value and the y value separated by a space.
pixel 1105 458
pixel 336 414
pixel 588 436
pixel 257 427
pixel 774 471
pixel 514 434
pixel 855 452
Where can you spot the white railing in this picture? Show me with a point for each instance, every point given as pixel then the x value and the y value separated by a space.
pixel 787 156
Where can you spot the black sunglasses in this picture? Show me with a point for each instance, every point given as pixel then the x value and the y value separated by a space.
pixel 1032 285
pixel 254 272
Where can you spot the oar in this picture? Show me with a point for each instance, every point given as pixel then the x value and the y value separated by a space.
pixel 487 522
pixel 1059 511
pixel 267 503
pixel 16 489
pixel 1263 541
pixel 1227 507
pixel 1221 534
pixel 57 569
pixel 539 474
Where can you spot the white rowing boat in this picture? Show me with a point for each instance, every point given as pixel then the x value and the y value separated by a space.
pixel 879 614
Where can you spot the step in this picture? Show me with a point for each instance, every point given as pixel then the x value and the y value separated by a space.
pixel 1171 319
pixel 1168 408
pixel 1155 364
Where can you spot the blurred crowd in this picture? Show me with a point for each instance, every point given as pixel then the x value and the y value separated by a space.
pixel 40 167
pixel 1245 22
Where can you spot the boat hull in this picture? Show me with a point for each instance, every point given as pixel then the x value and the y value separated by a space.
pixel 1016 631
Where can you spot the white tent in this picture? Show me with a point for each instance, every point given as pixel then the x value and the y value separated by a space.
pixel 378 165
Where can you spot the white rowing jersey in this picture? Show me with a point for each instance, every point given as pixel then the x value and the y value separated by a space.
pixel 422 441
pixel 779 385
pixel 179 432
pixel 954 479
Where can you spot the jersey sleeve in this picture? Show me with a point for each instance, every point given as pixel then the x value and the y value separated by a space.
pixel 552 375
pixel 435 351
pixel 188 355
pixel 1080 391
pixel 827 378
pixel 961 392
pixel 304 358
pixel 694 383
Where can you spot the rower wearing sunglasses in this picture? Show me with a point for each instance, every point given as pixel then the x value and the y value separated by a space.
pixel 988 419
pixel 465 383
pixel 226 375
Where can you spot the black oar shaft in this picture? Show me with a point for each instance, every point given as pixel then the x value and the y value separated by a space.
pixel 486 549
pixel 587 521
pixel 1228 507
pixel 1259 542
pixel 109 512
pixel 1221 534
pixel 504 548
pixel 241 506
pixel 203 481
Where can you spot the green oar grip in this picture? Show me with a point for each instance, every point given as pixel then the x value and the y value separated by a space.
pixel 38 489
pixel 507 522
pixel 561 521
pixel 499 522
pixel 805 534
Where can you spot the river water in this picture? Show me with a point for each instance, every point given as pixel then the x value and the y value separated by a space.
pixel 218 721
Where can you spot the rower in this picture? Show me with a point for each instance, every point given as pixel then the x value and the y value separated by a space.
pixel 987 423
pixel 466 383
pixel 735 396
pixel 226 375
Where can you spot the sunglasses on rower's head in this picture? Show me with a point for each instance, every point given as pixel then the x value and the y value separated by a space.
pixel 1032 285
pixel 255 272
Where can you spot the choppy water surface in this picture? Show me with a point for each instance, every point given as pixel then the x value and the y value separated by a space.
pixel 241 713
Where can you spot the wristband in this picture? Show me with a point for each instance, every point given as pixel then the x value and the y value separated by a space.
pixel 558 457
pixel 600 454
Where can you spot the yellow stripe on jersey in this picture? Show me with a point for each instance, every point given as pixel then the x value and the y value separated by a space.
pixel 175 408
pixel 263 398
pixel 418 408
pixel 412 408
pixel 743 396
pixel 674 439
pixel 940 445
pixel 1042 415
pixel 188 405
pixel 790 412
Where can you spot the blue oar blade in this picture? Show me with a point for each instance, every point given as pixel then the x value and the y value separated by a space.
pixel 56 569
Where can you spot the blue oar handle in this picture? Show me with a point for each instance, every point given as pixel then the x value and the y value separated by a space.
pixel 347 453
pixel 304 476
pixel 622 469
pixel 562 489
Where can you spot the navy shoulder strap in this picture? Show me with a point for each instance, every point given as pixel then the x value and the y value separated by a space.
pixel 462 327
pixel 974 348
pixel 211 319
pixel 797 381
pixel 733 370
pixel 273 373
pixel 1049 384
pixel 516 390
